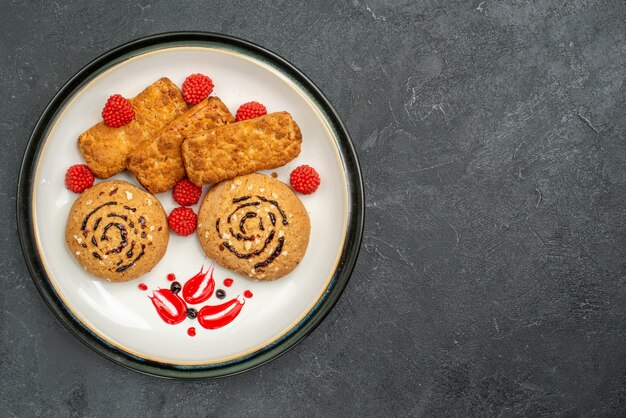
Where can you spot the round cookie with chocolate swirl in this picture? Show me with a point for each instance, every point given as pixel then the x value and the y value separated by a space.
pixel 117 231
pixel 254 225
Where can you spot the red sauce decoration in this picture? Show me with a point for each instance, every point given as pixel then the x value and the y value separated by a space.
pixel 217 316
pixel 170 307
pixel 199 288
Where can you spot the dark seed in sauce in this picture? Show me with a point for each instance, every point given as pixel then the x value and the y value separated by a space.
pixel 175 287
pixel 192 313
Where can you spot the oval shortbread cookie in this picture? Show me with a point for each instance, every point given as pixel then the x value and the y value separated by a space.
pixel 241 148
pixel 254 225
pixel 106 149
pixel 157 162
pixel 117 231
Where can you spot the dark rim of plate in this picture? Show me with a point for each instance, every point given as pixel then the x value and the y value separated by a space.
pixel 346 261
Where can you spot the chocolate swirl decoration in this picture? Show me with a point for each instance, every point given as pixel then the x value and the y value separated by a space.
pixel 262 243
pixel 120 233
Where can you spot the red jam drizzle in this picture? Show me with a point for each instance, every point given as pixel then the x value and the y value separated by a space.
pixel 217 316
pixel 169 306
pixel 199 288
pixel 172 307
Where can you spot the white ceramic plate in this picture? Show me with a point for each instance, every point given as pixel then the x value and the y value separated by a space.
pixel 118 319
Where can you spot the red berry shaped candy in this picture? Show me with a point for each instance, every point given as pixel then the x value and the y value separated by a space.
pixel 304 179
pixel 250 110
pixel 196 88
pixel 186 193
pixel 117 111
pixel 182 221
pixel 79 178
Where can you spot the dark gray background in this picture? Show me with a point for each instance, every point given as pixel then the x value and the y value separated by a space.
pixel 492 274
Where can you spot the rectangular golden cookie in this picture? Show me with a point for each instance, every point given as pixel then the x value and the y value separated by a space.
pixel 106 149
pixel 242 148
pixel 158 163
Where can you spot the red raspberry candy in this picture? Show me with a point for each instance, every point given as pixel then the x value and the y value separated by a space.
pixel 186 193
pixel 196 88
pixel 78 178
pixel 182 221
pixel 250 110
pixel 117 111
pixel 304 179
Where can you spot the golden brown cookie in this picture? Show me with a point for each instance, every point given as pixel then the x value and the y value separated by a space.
pixel 242 148
pixel 106 149
pixel 254 225
pixel 158 163
pixel 117 231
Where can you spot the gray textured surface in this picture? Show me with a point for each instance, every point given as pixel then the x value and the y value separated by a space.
pixel 492 276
